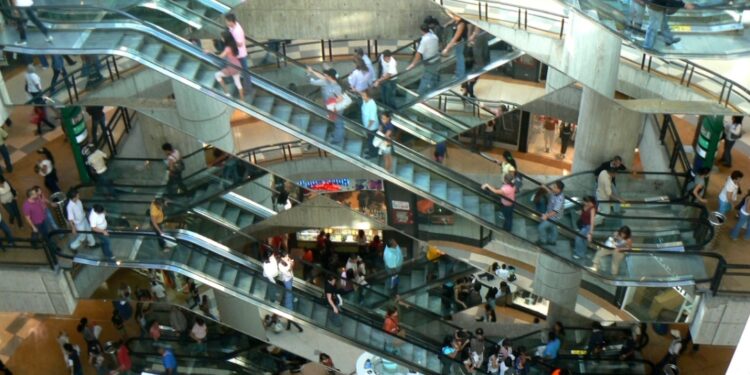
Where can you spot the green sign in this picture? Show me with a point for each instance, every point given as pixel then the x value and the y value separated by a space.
pixel 75 128
pixel 712 128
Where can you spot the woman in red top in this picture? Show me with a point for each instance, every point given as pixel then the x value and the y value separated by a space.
pixel 586 226
pixel 39 117
pixel 390 325
pixel 123 358
pixel 508 197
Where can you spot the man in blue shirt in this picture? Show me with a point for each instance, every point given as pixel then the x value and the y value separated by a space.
pixel 369 121
pixel 548 227
pixel 168 360
pixel 393 259
pixel 553 347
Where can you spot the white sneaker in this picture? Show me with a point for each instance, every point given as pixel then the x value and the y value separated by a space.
pixel 20 43
pixel 48 38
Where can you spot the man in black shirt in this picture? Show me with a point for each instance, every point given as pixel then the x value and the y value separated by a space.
pixel 332 298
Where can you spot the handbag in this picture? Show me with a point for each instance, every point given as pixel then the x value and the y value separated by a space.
pixel 379 139
pixel 343 103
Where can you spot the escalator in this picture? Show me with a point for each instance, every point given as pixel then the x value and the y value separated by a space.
pixel 212 264
pixel 174 57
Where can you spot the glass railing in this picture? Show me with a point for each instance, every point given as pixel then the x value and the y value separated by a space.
pixel 214 265
pixel 348 140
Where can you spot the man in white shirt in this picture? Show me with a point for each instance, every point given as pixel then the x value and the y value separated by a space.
pixel 270 271
pixel 732 132
pixel 78 222
pixel 98 161
pixel 359 52
pixel 98 222
pixel 370 121
pixel 605 193
pixel 24 7
pixel 198 334
pixel 387 80
pixel 238 34
pixel 429 53
pixel 158 290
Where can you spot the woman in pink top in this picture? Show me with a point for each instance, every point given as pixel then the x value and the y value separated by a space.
pixel 230 54
pixel 508 196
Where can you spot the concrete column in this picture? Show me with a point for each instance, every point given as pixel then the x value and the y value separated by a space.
pixel 557 281
pixel 605 129
pixel 592 55
pixel 4 112
pixel 203 117
pixel 556 80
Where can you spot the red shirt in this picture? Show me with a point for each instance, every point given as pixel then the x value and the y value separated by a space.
pixel 123 356
pixel 391 325
pixel 586 216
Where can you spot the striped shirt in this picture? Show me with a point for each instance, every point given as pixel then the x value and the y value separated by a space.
pixel 556 204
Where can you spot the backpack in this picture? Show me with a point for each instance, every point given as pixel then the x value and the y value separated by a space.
pixel 491 293
pixel 178 166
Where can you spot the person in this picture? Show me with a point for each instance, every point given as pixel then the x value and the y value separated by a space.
pixel 4 149
pixel 386 143
pixel 615 165
pixel 175 167
pixel 58 69
pixel 177 321
pixel 198 334
pixel 566 133
pixel 88 334
pixel 329 86
pixel 285 267
pixel 429 53
pixel 205 307
pixel 33 85
pixel 230 54
pixel 619 243
pixel 441 150
pixel 744 220
pixel 458 44
pixel 548 224
pixel 73 359
pixel 362 248
pixel 391 326
pixel 658 21
pixel 36 213
pixel 508 165
pixel 158 291
pixel 732 132
pixel 98 120
pixel 540 200
pixel 673 352
pixel 270 271
pixel 125 363
pixel 46 168
pixel 467 89
pixel 636 11
pixel 553 346
pixel 369 121
pixel 168 360
pixel 8 200
pixel 507 195
pixel 326 360
pixel 729 192
pixel 156 216
pixel 550 128
pixel 98 222
pixel 477 347
pixel 605 193
pixel 628 349
pixel 78 221
pixel 559 329
pixel 333 299
pixel 238 35
pixel 154 331
pixel 25 7
pixel 97 160
pixel 282 199
pixel 359 53
pixel 393 259
pixel 697 188
pixel 387 80
pixel 39 117
pixel 359 79
pixel 586 226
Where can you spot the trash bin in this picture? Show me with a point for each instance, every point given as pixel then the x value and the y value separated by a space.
pixel 58 213
pixel 716 219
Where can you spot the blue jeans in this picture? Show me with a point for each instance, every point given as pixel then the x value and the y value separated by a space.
pixel 245 75
pixel 288 297
pixel 388 93
pixel 580 248
pixel 337 137
pixel 43 230
pixel 547 232
pixel 727 157
pixel 507 212
pixel 658 22
pixel 724 206
pixel 429 81
pixel 6 157
pixel 458 52
pixel 8 235
pixel 742 223
pixel 106 245
pixel 635 13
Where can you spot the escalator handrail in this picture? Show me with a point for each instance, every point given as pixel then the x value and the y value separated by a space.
pixel 306 104
pixel 194 240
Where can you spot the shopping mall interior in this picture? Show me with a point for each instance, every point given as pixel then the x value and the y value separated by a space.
pixel 390 187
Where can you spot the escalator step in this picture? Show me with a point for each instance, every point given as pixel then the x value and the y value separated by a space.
pixel 213 267
pixel 319 130
pixel 170 59
pixel 320 314
pixel 305 307
pixel 188 69
pixel 246 219
pixel 231 214
pixel 282 112
pixel 218 206
pixel 260 288
pixel 434 303
pixel 205 77
pixel 349 327
pixel 422 299
pixel 422 180
pixel 301 120
pixel 133 41
pixel 181 256
pixel 353 146
pixel 405 172
pixel 364 331
pixel 433 361
pixel 456 195
pixel 197 260
pixel 264 103
pixel 439 188
pixel 229 274
pixel 244 281
pixel 471 204
pixel 152 49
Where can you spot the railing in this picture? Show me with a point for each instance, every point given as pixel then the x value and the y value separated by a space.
pixel 733 279
pixel 121 116
pixel 670 138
